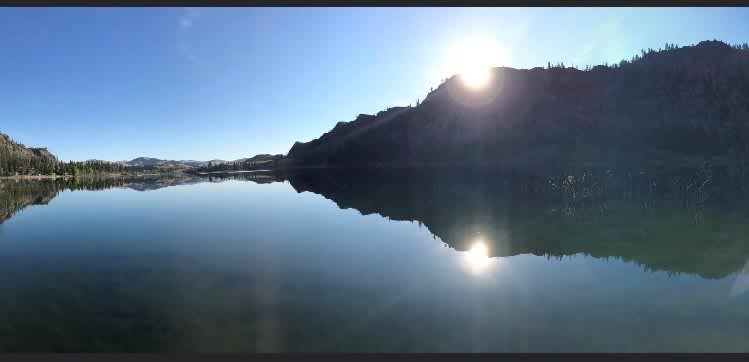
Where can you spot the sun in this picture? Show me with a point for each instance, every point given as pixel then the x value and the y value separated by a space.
pixel 473 60
pixel 477 77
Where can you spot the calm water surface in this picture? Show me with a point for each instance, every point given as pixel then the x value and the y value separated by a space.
pixel 395 263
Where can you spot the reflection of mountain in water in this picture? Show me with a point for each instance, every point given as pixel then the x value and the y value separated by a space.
pixel 684 221
pixel 18 194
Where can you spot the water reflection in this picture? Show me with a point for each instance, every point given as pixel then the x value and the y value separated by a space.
pixel 679 221
pixel 477 258
pixel 237 266
pixel 15 195
pixel 741 285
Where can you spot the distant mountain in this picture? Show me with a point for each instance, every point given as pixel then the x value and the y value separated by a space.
pixel 660 105
pixel 146 162
pixel 254 163
pixel 260 159
pixel 150 162
pixel 16 158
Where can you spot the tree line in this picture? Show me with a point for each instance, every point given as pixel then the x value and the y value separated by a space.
pixel 19 163
pixel 16 159
pixel 247 165
pixel 635 58
pixel 12 166
pixel 77 168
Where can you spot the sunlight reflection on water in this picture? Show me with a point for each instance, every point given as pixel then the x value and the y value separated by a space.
pixel 477 258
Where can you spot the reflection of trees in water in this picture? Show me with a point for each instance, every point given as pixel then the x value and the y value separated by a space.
pixel 679 221
pixel 683 220
pixel 254 176
pixel 18 194
pixel 15 195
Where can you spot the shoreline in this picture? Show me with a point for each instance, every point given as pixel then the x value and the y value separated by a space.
pixel 70 177
pixel 35 177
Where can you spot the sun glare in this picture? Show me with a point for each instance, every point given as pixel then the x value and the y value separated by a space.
pixel 476 78
pixel 473 61
pixel 478 257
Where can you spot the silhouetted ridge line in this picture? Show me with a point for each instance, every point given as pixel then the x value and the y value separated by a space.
pixel 670 105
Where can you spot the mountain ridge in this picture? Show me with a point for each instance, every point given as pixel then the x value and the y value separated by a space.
pixel 157 162
pixel 664 105
pixel 679 101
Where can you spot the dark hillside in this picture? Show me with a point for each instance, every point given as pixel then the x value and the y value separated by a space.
pixel 670 104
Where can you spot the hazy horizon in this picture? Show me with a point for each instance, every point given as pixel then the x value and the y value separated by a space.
pixel 217 83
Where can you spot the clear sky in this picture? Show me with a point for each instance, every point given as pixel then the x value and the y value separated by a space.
pixel 226 83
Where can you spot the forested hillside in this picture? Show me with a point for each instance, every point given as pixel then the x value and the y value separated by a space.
pixel 17 159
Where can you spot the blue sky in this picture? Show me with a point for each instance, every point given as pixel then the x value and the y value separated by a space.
pixel 226 83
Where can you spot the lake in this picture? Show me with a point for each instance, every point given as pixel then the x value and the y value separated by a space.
pixel 378 261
